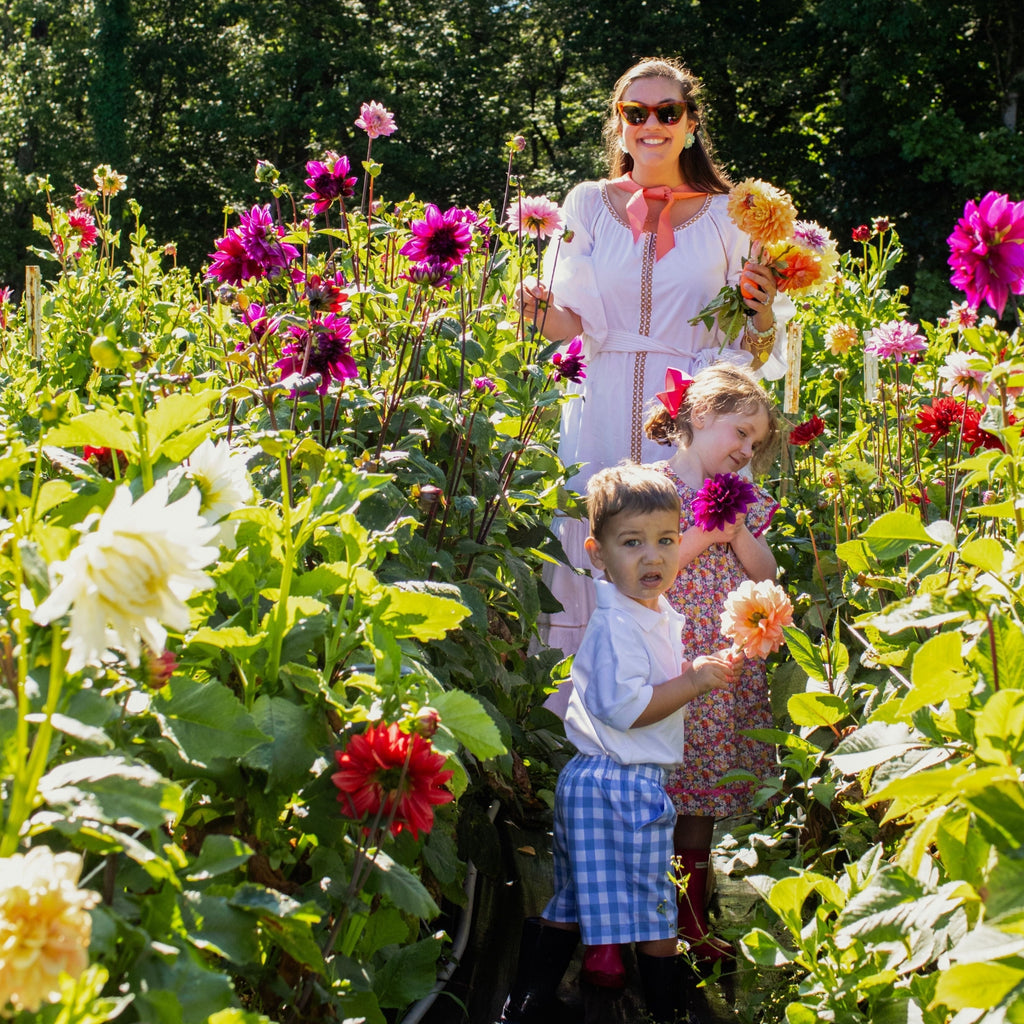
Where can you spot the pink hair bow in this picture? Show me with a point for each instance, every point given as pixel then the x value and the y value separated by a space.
pixel 676 386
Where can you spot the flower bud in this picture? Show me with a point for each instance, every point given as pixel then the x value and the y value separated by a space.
pixel 518 143
pixel 105 353
pixel 427 722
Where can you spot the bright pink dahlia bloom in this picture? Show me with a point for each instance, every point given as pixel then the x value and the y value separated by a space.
pixel 569 364
pixel 445 237
pixel 987 251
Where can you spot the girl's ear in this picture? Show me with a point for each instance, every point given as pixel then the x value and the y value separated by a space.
pixel 592 546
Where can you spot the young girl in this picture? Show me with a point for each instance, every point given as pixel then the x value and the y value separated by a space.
pixel 721 422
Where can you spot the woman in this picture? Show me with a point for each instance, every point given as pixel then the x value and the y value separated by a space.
pixel 636 267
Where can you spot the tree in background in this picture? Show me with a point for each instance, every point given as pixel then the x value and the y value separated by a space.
pixel 858 109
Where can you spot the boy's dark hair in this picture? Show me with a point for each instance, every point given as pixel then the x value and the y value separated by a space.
pixel 628 488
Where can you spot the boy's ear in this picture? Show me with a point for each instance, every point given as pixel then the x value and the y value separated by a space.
pixel 592 546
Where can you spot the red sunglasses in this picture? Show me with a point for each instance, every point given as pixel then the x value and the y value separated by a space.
pixel 637 113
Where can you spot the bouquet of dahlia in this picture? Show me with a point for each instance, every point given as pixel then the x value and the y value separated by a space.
pixel 801 254
pixel 754 616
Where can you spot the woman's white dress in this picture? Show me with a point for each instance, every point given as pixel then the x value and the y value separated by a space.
pixel 635 313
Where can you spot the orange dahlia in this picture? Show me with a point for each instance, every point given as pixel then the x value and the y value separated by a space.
pixel 387 771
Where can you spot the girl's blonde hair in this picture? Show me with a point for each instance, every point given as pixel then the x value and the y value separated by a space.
pixel 720 389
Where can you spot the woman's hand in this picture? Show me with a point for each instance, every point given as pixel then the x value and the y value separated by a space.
pixel 758 288
pixel 533 301
pixel 532 298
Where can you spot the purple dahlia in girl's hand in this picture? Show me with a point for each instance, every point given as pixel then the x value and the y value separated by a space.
pixel 722 498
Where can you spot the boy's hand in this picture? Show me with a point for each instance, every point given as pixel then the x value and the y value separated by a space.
pixel 717 671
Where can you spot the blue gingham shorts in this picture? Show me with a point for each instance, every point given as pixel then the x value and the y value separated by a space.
pixel 613 852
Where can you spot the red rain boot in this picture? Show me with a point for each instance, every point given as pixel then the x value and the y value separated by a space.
pixel 693 922
pixel 602 966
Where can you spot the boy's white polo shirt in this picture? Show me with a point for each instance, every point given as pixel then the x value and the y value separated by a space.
pixel 627 650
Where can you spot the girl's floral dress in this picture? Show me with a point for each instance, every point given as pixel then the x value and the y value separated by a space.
pixel 714 744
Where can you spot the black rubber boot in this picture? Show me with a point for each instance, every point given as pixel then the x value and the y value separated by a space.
pixel 665 989
pixel 544 955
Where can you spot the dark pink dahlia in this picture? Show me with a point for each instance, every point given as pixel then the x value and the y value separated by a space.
pixel 328 180
pixel 569 364
pixel 444 237
pixel 327 341
pixel 722 498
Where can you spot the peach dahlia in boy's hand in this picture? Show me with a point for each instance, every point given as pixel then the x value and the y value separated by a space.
pixel 754 616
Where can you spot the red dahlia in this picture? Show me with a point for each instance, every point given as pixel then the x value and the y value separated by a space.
pixel 388 771
pixel 805 433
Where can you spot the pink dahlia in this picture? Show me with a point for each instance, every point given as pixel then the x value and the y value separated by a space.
pixel 327 339
pixel 328 180
pixel 722 498
pixel 536 216
pixel 569 364
pixel 987 251
pixel 894 340
pixel 230 262
pixel 439 236
pixel 375 120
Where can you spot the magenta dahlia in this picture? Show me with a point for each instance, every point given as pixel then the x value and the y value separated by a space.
pixel 987 251
pixel 722 498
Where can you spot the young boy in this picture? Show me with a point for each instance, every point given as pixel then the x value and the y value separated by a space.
pixel 613 818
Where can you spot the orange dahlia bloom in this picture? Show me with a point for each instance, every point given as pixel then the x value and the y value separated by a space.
pixel 388 771
pixel 763 211
pixel 754 616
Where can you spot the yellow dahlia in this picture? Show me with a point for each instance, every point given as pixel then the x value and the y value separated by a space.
pixel 840 338
pixel 764 212
pixel 44 926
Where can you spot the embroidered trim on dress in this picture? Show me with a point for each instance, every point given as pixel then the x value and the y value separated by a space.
pixel 647 284
pixel 636 438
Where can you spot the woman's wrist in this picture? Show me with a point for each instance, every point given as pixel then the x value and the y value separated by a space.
pixel 758 342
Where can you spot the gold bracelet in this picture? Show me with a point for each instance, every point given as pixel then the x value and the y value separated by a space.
pixel 758 343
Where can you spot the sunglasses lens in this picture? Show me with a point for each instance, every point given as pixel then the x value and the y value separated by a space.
pixel 633 113
pixel 670 113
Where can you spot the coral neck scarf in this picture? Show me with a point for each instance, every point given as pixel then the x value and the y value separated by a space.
pixel 637 209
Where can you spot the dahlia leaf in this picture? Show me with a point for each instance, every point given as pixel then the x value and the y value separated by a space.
pixel 409 974
pixel 100 428
pixel 401 886
pixel 205 721
pixel 466 719
pixel 422 616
